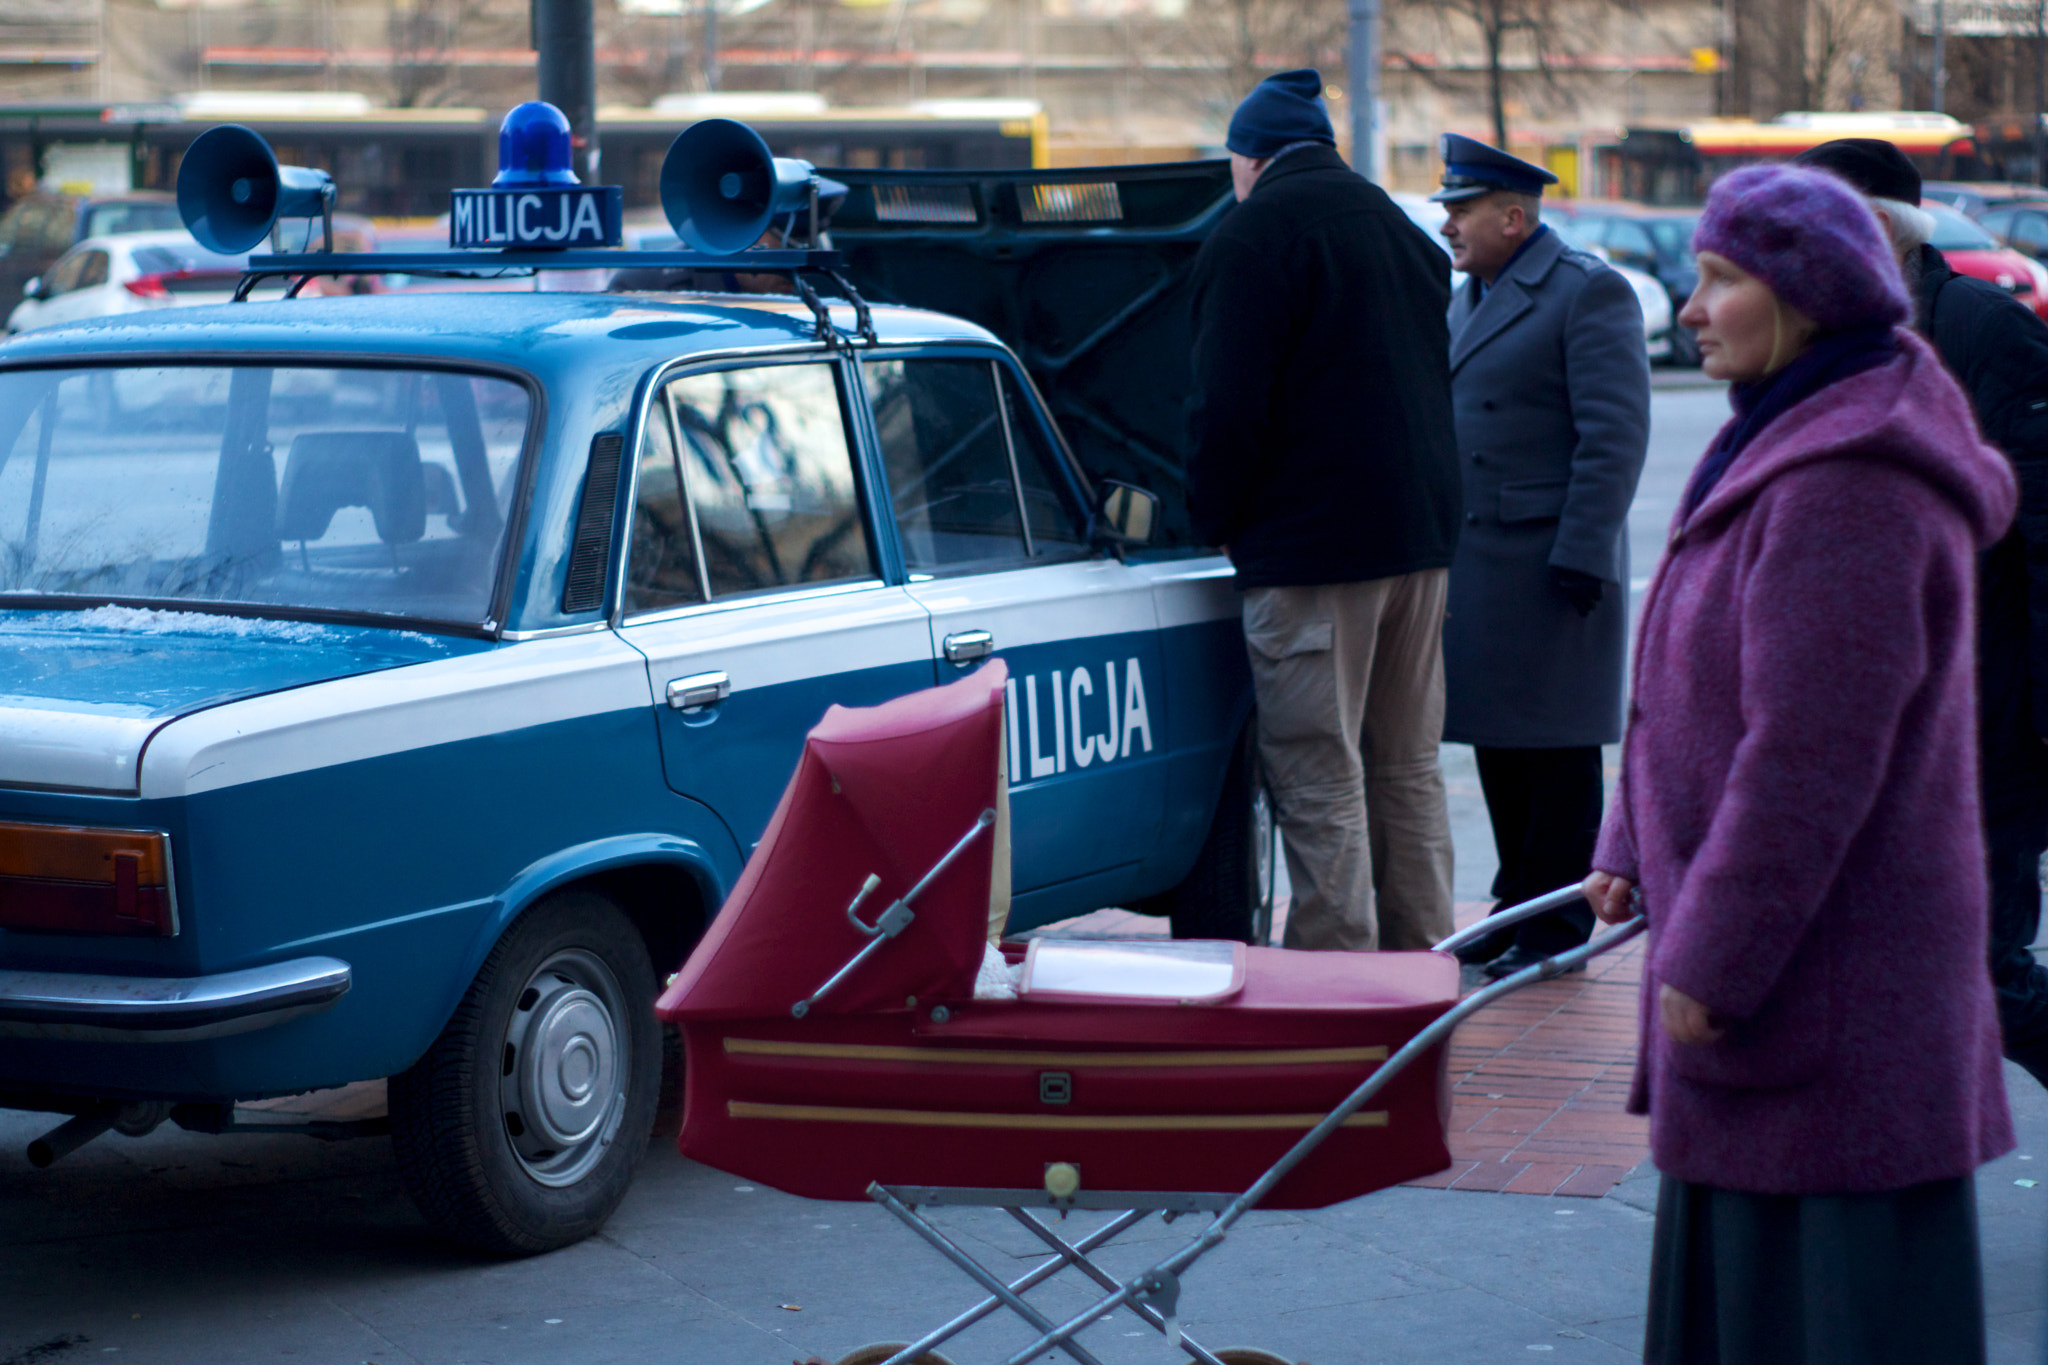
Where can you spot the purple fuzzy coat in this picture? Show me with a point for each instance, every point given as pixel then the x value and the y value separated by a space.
pixel 1798 801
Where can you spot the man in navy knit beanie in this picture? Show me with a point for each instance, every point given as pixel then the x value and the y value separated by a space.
pixel 1321 459
pixel 1281 111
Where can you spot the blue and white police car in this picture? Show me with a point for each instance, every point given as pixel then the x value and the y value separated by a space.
pixel 393 686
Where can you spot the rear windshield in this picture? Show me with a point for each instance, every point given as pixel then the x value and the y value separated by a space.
pixel 144 216
pixel 1953 232
pixel 164 260
pixel 381 491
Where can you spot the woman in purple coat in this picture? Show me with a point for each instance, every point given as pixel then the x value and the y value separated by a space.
pixel 1798 808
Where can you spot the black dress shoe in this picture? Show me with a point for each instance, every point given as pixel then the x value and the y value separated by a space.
pixel 1518 957
pixel 1485 948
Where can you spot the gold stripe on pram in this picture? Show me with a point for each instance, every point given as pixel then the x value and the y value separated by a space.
pixel 1062 1123
pixel 863 1052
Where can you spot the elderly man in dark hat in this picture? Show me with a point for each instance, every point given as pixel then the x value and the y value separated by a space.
pixel 1552 390
pixel 1321 457
pixel 1998 351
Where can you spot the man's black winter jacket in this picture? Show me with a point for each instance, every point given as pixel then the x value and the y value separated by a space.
pixel 1998 352
pixel 1322 448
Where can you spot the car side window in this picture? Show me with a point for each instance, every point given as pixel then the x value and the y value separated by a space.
pixel 2030 233
pixel 1628 242
pixel 662 563
pixel 767 467
pixel 1057 526
pixel 92 269
pixel 62 277
pixel 1997 221
pixel 945 448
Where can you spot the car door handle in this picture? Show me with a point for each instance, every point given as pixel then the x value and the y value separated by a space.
pixel 699 690
pixel 965 646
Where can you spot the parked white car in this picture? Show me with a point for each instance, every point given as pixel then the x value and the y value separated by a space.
pixel 128 272
pixel 1657 316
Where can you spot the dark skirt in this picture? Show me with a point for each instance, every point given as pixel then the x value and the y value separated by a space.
pixel 1849 1279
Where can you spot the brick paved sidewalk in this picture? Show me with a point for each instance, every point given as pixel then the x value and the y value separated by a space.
pixel 1538 1079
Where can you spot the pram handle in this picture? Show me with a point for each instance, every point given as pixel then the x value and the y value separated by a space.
pixel 1501 919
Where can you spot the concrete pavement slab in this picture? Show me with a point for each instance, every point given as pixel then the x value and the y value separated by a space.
pixel 1460 1325
pixel 1579 1261
pixel 2016 1338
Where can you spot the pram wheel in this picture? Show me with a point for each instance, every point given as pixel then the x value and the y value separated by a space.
pixel 882 1350
pixel 1244 1355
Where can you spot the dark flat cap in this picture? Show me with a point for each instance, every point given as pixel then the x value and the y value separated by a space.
pixel 1875 167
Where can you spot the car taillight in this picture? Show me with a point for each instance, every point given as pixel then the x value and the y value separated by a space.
pixel 148 287
pixel 63 879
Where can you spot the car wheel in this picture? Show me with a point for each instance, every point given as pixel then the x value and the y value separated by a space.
pixel 1229 891
pixel 1685 347
pixel 520 1129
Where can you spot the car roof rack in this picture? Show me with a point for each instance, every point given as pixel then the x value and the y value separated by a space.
pixel 793 264
pixel 721 189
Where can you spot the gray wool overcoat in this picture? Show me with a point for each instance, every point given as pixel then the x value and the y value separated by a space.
pixel 1550 384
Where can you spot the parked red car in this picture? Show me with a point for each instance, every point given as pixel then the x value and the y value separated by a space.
pixel 1973 251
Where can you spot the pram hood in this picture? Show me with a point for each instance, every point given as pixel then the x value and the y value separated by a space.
pixel 885 790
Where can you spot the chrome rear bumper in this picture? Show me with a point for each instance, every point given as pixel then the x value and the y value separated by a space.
pixel 151 1009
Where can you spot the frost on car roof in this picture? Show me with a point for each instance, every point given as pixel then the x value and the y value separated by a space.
pixel 507 328
pixel 151 621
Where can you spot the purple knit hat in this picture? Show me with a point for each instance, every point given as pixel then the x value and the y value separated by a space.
pixel 1809 237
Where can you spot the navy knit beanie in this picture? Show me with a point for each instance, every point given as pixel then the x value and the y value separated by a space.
pixel 1280 110
pixel 1809 237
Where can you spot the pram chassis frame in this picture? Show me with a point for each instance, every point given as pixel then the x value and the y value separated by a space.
pixel 1157 1288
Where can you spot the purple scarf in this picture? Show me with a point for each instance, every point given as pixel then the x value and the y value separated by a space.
pixel 1830 358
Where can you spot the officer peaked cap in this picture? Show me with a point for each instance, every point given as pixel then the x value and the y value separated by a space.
pixel 1471 168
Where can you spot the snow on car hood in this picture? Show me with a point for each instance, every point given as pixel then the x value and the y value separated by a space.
pixel 81 692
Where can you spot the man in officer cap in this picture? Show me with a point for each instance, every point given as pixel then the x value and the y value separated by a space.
pixel 1551 388
pixel 1322 459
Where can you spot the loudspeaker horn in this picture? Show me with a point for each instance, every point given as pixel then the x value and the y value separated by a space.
pixel 721 187
pixel 231 191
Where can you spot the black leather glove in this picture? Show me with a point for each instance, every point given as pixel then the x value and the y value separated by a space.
pixel 1582 590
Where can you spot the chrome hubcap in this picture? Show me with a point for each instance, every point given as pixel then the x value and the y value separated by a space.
pixel 562 1085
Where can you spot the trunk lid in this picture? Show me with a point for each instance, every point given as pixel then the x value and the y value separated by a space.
pixel 81 692
pixel 1083 273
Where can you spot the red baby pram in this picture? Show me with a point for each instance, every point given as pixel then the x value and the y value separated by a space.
pixel 839 1056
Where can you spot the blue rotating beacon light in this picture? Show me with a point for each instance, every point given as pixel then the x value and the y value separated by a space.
pixel 534 148
pixel 536 202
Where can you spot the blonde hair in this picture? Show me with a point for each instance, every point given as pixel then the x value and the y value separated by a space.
pixel 1778 310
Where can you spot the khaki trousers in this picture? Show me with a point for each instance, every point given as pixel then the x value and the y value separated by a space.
pixel 1350 684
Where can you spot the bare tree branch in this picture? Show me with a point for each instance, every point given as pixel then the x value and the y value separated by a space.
pixel 1219 49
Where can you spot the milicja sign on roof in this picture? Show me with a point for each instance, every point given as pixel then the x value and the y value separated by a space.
pixel 535 201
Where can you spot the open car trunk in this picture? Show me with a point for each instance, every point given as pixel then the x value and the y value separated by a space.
pixel 1083 273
